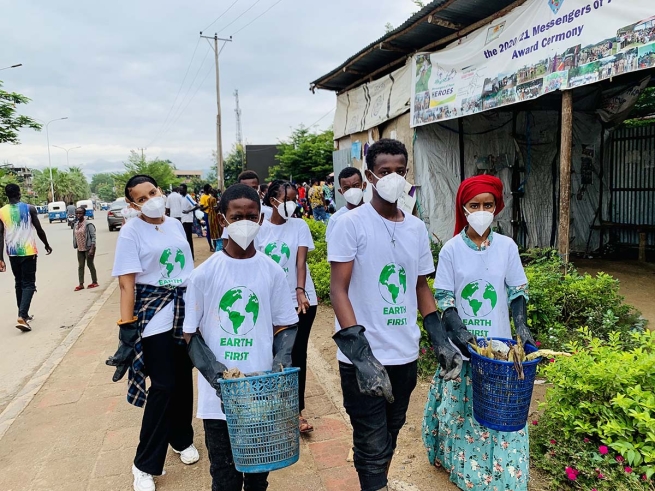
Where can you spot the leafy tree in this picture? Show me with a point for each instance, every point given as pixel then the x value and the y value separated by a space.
pixel 106 192
pixel 233 164
pixel 6 177
pixel 160 170
pixel 644 108
pixel 101 179
pixel 304 155
pixel 10 121
pixel 69 185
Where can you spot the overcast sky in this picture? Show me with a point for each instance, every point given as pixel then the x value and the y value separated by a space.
pixel 114 69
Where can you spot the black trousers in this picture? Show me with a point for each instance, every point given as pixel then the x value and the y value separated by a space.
pixel 169 407
pixel 225 476
pixel 188 231
pixel 299 352
pixel 24 270
pixel 376 423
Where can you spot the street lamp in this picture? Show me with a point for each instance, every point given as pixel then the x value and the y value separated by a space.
pixel 66 150
pixel 12 66
pixel 52 187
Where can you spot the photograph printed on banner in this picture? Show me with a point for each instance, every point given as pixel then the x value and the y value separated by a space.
pixel 422 101
pixel 584 74
pixel 471 105
pixel 598 51
pixel 647 56
pixel 530 90
pixel 556 81
pixel 635 35
pixel 423 73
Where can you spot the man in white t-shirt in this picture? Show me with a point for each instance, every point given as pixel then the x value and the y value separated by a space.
pixel 379 260
pixel 174 204
pixel 188 206
pixel 351 187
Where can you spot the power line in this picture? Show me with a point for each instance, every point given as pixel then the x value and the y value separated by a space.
pixel 176 95
pixel 321 118
pixel 239 16
pixel 269 8
pixel 217 18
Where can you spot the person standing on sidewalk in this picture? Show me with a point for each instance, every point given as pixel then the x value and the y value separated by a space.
pixel 174 204
pixel 351 187
pixel 18 222
pixel 379 257
pixel 237 279
pixel 287 241
pixel 153 263
pixel 84 240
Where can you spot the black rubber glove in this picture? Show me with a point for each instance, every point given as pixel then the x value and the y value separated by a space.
pixel 205 361
pixel 282 347
pixel 456 330
pixel 449 358
pixel 128 335
pixel 520 316
pixel 372 378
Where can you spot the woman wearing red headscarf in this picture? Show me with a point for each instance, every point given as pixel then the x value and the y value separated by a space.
pixel 479 280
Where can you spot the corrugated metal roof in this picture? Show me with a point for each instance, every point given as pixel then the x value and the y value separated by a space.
pixel 439 20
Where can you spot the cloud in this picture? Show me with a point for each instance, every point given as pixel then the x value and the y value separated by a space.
pixel 114 69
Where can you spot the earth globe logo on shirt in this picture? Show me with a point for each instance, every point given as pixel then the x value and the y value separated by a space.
pixel 238 311
pixel 278 252
pixel 171 263
pixel 393 284
pixel 479 298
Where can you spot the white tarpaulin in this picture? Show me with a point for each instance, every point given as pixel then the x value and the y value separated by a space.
pixel 540 47
pixel 372 104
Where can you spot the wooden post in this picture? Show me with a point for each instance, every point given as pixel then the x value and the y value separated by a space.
pixel 642 247
pixel 460 127
pixel 565 175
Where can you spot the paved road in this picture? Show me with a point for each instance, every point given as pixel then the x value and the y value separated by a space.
pixel 56 307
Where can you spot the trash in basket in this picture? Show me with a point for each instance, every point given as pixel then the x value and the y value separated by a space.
pixel 262 420
pixel 501 400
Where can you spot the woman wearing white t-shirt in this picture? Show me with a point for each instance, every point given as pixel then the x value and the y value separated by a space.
pixel 153 262
pixel 287 240
pixel 479 280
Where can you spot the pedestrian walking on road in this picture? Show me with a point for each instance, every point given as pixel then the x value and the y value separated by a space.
pixel 153 263
pixel 18 222
pixel 379 259
pixel 238 273
pixel 84 240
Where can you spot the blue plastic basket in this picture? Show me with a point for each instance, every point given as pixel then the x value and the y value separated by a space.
pixel 500 400
pixel 262 420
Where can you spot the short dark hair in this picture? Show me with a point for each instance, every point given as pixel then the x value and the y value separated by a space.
pixel 274 190
pixel 183 186
pixel 206 188
pixel 384 146
pixel 80 208
pixel 247 174
pixel 316 180
pixel 263 188
pixel 135 181
pixel 12 191
pixel 349 172
pixel 238 191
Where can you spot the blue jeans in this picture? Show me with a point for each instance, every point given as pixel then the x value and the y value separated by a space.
pixel 376 423
pixel 24 269
pixel 319 213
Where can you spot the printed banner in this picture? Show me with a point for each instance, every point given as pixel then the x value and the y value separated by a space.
pixel 540 47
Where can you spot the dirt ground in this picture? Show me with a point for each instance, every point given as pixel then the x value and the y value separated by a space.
pixel 636 281
pixel 410 465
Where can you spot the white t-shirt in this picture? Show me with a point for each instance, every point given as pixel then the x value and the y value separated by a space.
pixel 281 243
pixel 478 279
pixel 188 203
pixel 174 204
pixel 159 256
pixel 235 303
pixel 333 221
pixel 383 283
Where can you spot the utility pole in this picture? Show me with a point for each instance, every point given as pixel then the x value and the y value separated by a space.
pixel 239 132
pixel 142 149
pixel 219 142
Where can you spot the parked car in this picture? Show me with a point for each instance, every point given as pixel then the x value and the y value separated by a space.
pixel 115 215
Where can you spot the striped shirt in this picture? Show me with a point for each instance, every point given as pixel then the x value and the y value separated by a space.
pixel 20 238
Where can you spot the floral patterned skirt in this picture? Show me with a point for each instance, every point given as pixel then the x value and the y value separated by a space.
pixel 476 457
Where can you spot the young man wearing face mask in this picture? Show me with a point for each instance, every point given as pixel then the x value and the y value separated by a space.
pixel 240 278
pixel 153 262
pixel 351 187
pixel 479 281
pixel 379 257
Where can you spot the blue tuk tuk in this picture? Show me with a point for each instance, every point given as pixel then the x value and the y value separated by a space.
pixel 57 211
pixel 87 204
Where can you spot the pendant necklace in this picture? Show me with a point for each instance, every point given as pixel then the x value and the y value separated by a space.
pixel 392 235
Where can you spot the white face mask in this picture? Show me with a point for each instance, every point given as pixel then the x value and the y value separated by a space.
pixel 479 220
pixel 286 209
pixel 154 207
pixel 391 187
pixel 354 196
pixel 243 232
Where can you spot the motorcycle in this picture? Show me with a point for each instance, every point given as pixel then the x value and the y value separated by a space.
pixel 71 220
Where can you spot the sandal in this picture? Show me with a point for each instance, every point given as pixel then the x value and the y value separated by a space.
pixel 79 287
pixel 93 285
pixel 305 427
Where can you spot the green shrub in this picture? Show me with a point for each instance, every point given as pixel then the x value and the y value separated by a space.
pixel 602 396
pixel 317 229
pixel 320 272
pixel 319 253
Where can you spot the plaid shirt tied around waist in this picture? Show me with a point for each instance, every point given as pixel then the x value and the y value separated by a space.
pixel 150 300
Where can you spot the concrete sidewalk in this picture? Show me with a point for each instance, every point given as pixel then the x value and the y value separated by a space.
pixel 79 433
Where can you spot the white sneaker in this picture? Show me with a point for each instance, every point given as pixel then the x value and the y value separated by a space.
pixel 142 480
pixel 189 455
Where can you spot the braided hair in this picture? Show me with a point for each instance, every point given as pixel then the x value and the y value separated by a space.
pixel 274 190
